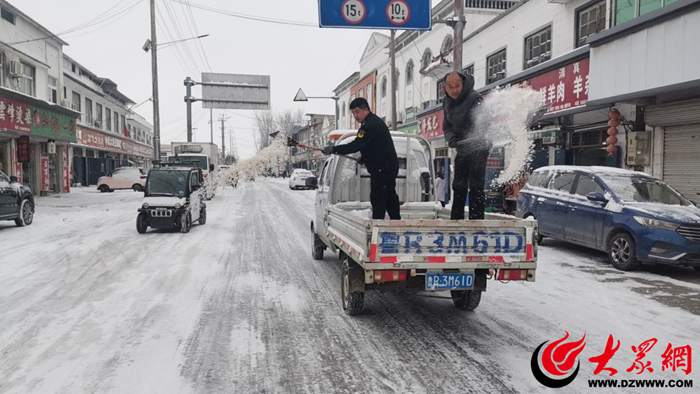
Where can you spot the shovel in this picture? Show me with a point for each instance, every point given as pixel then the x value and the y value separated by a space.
pixel 291 142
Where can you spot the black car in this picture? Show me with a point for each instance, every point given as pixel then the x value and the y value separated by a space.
pixel 16 201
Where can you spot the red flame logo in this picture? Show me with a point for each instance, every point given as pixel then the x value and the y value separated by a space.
pixel 557 359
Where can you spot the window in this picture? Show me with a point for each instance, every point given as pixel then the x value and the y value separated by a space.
pixel 441 91
pixel 98 116
pixel 427 58
pixel 8 15
pixel 589 21
pixel 123 125
pixel 626 10
pixel 447 44
pixel 537 179
pixel 562 181
pixel 88 111
pixel 538 47
pixel 53 89
pixel 496 67
pixel 587 184
pixel 2 69
pixel 409 73
pixel 361 93
pixel 26 79
pixel 76 102
pixel 108 118
pixel 116 123
pixel 469 70
pixel 384 82
pixel 369 93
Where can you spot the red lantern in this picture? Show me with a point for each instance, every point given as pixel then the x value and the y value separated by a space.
pixel 612 132
pixel 613 122
pixel 612 140
pixel 614 114
pixel 611 149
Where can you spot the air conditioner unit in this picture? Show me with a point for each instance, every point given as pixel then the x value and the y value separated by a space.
pixel 98 123
pixel 15 67
pixel 66 103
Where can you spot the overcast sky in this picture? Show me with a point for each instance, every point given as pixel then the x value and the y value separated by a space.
pixel 311 58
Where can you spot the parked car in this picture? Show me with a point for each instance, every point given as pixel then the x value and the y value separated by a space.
pixel 123 178
pixel 172 200
pixel 299 179
pixel 630 215
pixel 16 201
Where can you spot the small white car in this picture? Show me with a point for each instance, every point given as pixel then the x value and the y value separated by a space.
pixel 123 178
pixel 299 177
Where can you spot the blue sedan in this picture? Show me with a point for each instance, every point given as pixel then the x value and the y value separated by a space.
pixel 630 215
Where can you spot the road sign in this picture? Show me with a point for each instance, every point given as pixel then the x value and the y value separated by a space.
pixel 235 91
pixel 375 14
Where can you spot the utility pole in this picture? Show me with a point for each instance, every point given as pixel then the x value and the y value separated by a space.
pixel 154 71
pixel 458 35
pixel 189 100
pixel 211 123
pixel 392 78
pixel 223 120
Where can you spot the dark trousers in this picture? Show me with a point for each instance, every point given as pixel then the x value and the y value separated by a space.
pixel 383 194
pixel 470 175
pixel 443 204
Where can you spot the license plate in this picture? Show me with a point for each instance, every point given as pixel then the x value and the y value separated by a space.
pixel 449 281
pixel 303 179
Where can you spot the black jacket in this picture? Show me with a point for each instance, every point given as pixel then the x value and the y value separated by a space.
pixel 374 142
pixel 458 123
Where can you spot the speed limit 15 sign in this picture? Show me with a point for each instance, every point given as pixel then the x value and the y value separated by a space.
pixel 375 14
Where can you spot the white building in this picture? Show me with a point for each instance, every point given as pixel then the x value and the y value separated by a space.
pixel 109 134
pixel 35 131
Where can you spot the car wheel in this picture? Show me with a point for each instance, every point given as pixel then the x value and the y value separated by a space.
pixel 104 189
pixel 137 187
pixel 141 223
pixel 26 214
pixel 203 216
pixel 185 222
pixel 353 302
pixel 623 253
pixel 466 300
pixel 539 237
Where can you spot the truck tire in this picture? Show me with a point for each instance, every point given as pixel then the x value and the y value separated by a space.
pixel 317 247
pixel 466 300
pixel 353 301
pixel 141 225
pixel 623 252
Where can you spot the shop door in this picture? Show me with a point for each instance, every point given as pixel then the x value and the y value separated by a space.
pixel 682 161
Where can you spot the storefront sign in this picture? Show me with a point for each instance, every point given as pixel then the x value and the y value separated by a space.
pixel 66 172
pixel 45 186
pixel 23 149
pixel 115 144
pixel 412 129
pixel 563 88
pixel 15 116
pixel 430 125
pixel 53 125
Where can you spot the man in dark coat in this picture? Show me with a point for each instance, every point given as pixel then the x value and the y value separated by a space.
pixel 374 142
pixel 461 132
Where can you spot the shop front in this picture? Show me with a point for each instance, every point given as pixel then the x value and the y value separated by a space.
pixel 34 142
pixel 97 154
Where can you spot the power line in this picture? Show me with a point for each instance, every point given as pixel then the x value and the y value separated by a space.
pixel 123 14
pixel 178 33
pixel 186 67
pixel 197 44
pixel 249 17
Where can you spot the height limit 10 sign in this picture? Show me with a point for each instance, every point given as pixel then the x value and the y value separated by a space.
pixel 375 14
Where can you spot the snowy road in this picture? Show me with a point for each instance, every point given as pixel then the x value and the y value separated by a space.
pixel 87 305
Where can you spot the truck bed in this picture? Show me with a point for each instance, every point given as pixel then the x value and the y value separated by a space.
pixel 425 238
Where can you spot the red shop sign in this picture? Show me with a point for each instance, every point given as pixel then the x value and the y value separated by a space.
pixel 23 149
pixel 563 88
pixel 430 125
pixel 45 173
pixel 66 171
pixel 15 116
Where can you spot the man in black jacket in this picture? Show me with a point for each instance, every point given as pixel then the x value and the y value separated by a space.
pixel 472 145
pixel 374 142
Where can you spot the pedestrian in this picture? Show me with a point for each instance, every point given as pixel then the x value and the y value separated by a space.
pixel 461 133
pixel 374 142
pixel 440 187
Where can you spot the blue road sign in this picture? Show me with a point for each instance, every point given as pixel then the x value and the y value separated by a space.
pixel 375 14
